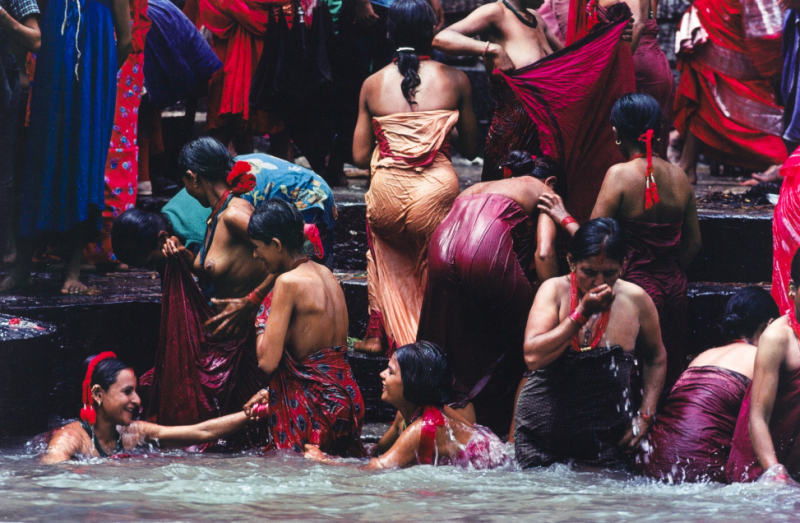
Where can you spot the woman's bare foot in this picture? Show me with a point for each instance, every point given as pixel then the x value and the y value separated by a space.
pixel 14 282
pixel 369 346
pixel 74 287
pixel 770 175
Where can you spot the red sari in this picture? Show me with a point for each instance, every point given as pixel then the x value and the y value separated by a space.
pixel 725 95
pixel 786 231
pixel 569 96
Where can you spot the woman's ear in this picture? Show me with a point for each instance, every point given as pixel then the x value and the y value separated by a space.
pixel 278 245
pixel 551 182
pixel 97 394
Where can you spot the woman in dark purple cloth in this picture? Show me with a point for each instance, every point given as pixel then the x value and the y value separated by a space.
pixel 655 205
pixel 691 439
pixel 483 263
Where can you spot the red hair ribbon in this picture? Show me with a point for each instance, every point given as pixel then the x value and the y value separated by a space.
pixel 591 9
pixel 87 412
pixel 651 189
pixel 312 234
pixel 533 157
pixel 241 179
pixel 507 172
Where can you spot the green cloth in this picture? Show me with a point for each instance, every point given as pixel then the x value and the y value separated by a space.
pixel 188 220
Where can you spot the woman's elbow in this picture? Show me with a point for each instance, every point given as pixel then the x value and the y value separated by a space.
pixel 532 359
pixel 35 43
pixel 266 365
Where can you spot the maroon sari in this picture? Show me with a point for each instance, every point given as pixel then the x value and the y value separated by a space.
pixel 477 300
pixel 196 378
pixel 784 426
pixel 691 439
pixel 653 251
pixel 569 96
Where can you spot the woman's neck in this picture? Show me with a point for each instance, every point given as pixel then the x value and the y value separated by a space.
pixel 215 193
pixel 105 431
pixel 407 411
pixel 292 261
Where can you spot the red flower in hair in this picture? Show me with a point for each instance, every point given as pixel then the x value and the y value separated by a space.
pixel 241 179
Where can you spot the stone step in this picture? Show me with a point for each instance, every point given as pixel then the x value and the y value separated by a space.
pixel 737 244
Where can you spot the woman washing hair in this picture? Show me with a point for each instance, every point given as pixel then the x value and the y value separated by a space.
pixel 410 108
pixel 106 427
pixel 426 432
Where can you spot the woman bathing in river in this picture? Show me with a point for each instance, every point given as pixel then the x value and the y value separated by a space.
pixel 107 428
pixel 426 431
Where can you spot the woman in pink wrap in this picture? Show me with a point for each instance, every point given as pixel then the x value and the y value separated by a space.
pixel 410 109
pixel 691 439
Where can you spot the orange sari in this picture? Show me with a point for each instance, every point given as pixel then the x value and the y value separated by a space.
pixel 413 185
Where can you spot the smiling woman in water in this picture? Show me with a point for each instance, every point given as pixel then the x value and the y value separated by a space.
pixel 106 428
pixel 417 382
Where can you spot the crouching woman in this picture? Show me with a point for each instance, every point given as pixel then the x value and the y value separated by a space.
pixel 107 429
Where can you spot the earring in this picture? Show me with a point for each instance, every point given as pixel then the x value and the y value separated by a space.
pixel 194 182
pixel 618 142
pixel 572 268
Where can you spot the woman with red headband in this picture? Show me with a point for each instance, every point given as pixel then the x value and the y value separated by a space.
pixel 106 427
pixel 655 206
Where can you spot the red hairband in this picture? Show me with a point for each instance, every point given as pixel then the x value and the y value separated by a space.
pixel 651 189
pixel 507 170
pixel 311 233
pixel 87 412
pixel 241 179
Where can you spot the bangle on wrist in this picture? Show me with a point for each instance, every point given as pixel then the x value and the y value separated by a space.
pixel 649 419
pixel 485 49
pixel 566 221
pixel 578 317
pixel 255 298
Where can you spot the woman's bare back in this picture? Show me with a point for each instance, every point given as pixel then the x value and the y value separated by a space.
pixel 441 88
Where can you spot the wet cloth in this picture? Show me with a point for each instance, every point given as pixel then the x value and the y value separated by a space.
pixel 122 163
pixel 477 299
pixel 412 188
pixel 177 57
pixel 653 251
pixel 653 74
pixel 569 96
pixel 511 130
pixel 790 93
pixel 316 401
pixel 76 80
pixel 725 96
pixel 786 231
pixel 691 439
pixel 784 426
pixel 578 407
pixel 196 378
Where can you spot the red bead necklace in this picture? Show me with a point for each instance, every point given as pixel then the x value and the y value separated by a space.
pixel 601 324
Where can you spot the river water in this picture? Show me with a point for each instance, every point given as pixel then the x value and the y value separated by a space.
pixel 178 486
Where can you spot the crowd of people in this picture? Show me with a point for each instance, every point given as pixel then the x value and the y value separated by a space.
pixel 544 306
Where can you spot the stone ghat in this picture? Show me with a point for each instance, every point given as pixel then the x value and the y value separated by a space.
pixel 125 317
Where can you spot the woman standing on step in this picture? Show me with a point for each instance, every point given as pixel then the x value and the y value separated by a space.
pixel 655 206
pixel 410 108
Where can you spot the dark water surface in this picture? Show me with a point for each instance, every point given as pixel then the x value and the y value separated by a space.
pixel 189 487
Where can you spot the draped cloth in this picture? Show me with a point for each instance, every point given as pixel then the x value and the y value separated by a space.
pixel 652 264
pixel 316 401
pixel 477 300
pixel 790 93
pixel 784 427
pixel 196 378
pixel 786 231
pixel 569 95
pixel 578 407
pixel 412 188
pixel 238 27
pixel 725 96
pixel 691 439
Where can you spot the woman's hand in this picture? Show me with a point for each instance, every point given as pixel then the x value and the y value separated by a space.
pixel 499 58
pixel 261 398
pixel 597 300
pixel 230 322
pixel 365 16
pixel 639 428
pixel 777 474
pixel 553 205
pixel 313 452
pixel 173 248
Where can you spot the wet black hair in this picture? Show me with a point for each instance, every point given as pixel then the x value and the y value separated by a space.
pixel 795 271
pixel 601 235
pixel 410 24
pixel 634 114
pixel 134 234
pixel 207 158
pixel 425 373
pixel 543 167
pixel 105 372
pixel 746 311
pixel 278 219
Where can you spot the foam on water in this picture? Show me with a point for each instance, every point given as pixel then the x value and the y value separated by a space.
pixel 178 486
